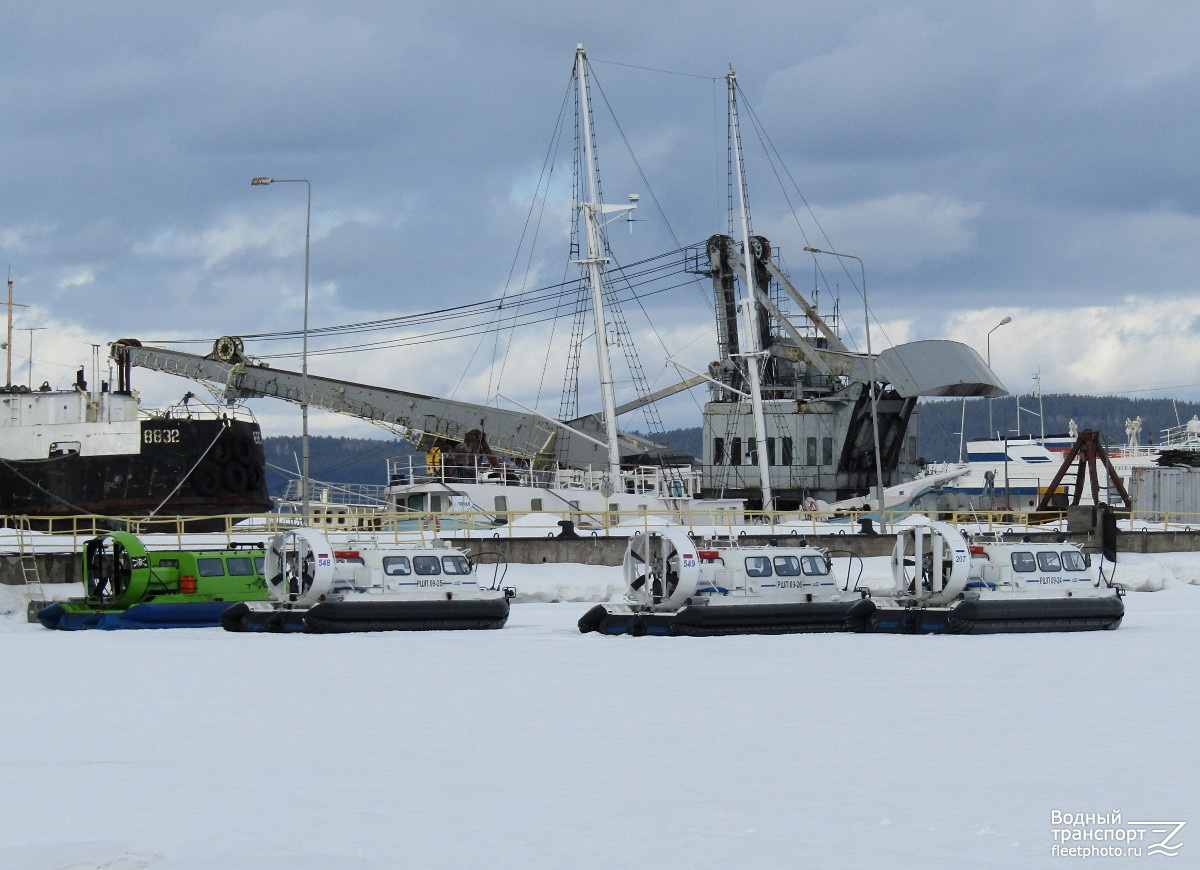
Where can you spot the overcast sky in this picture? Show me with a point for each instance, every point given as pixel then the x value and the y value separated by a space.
pixel 984 159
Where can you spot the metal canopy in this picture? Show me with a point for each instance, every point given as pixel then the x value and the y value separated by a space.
pixel 938 368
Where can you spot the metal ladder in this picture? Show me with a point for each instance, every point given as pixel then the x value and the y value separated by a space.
pixel 29 569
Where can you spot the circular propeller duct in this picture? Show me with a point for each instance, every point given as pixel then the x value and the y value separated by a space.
pixel 661 569
pixel 299 566
pixel 116 569
pixel 930 563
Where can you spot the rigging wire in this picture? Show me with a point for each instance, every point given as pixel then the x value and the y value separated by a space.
pixel 669 72
pixel 535 302
pixel 547 173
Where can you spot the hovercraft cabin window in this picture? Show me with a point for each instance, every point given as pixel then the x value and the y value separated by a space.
pixel 1074 561
pixel 455 565
pixel 815 566
pixel 1023 561
pixel 1049 562
pixel 758 566
pixel 396 566
pixel 240 566
pixel 787 566
pixel 210 567
pixel 427 565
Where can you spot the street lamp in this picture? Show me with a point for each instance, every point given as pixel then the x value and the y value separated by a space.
pixel 264 180
pixel 871 360
pixel 992 431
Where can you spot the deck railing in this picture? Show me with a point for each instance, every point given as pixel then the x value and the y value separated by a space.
pixel 69 533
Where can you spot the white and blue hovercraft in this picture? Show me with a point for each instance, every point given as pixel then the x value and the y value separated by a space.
pixel 947 584
pixel 675 586
pixel 316 587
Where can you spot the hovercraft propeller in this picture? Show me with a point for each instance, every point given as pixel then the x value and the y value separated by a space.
pixel 930 563
pixel 299 566
pixel 116 569
pixel 660 569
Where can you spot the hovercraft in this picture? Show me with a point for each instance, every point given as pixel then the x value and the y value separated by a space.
pixel 945 584
pixel 128 586
pixel 678 587
pixel 365 586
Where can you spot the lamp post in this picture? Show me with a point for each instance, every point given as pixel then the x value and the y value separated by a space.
pixel 871 360
pixel 992 431
pixel 263 180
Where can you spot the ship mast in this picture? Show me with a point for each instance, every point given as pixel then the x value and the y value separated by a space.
pixel 592 209
pixel 750 309
pixel 8 342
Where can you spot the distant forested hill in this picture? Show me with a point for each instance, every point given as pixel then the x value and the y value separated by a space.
pixel 338 460
pixel 363 460
pixel 940 419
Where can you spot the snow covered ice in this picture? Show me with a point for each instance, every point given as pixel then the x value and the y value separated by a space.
pixel 537 747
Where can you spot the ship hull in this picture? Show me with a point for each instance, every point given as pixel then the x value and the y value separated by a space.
pixel 165 467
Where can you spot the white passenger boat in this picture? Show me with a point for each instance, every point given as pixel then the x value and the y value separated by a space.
pixel 1014 473
pixel 945 584
pixel 365 586
pixel 677 586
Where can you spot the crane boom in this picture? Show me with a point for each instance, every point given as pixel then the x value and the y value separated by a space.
pixel 425 420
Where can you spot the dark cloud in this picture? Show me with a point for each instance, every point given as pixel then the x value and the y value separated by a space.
pixel 976 155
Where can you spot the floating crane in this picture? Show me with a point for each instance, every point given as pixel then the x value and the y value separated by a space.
pixel 427 421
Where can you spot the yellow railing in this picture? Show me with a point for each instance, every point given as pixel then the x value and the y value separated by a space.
pixel 70 532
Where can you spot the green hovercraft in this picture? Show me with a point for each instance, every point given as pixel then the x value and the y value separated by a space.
pixel 127 586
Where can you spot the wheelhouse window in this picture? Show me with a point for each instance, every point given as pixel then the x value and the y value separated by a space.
pixel 787 451
pixel 827 450
pixel 455 565
pixel 735 451
pixel 770 451
pixel 810 451
pixel 718 451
